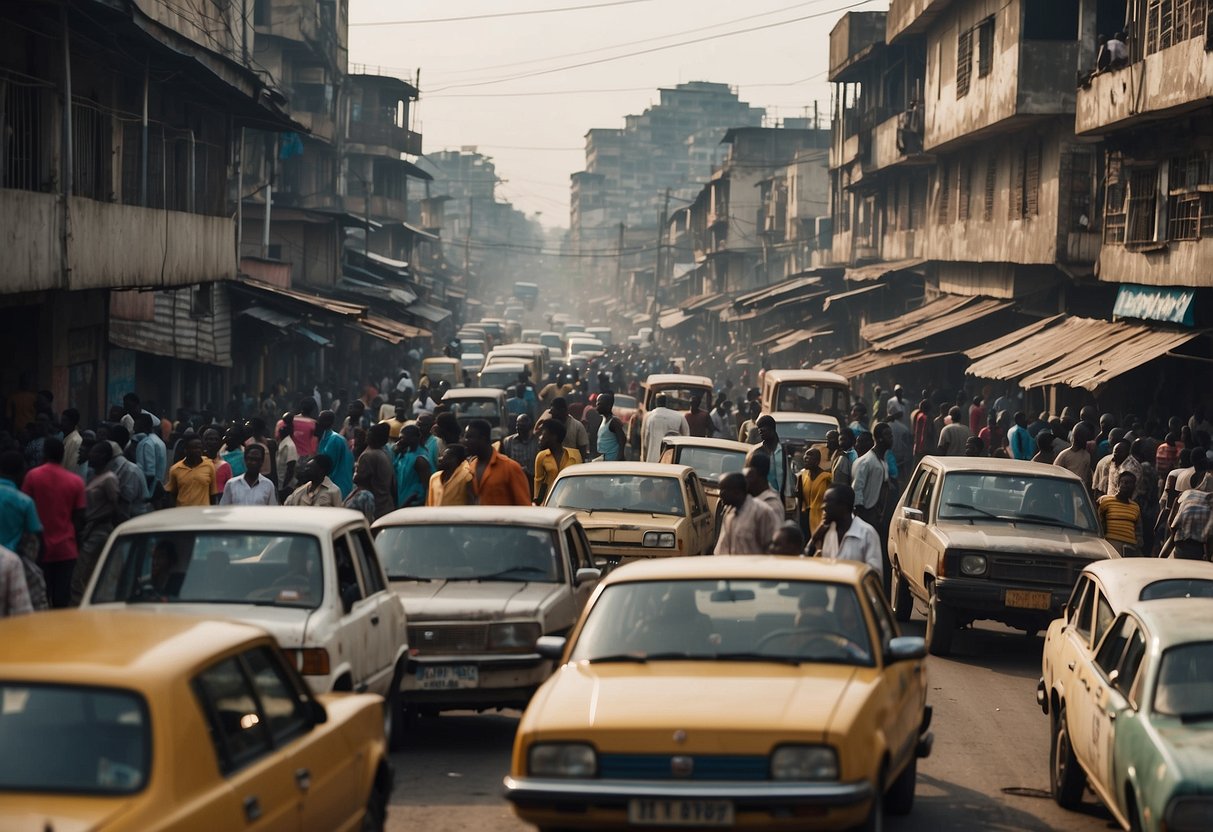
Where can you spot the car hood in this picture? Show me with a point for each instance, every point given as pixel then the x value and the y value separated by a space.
pixel 604 701
pixel 286 624
pixel 1020 537
pixel 474 600
pixel 1190 746
pixel 62 813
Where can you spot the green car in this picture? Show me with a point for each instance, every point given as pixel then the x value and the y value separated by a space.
pixel 1138 726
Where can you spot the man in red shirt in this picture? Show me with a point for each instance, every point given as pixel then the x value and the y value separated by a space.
pixel 497 480
pixel 58 495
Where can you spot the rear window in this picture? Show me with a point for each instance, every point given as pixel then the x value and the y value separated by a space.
pixel 73 739
pixel 1178 588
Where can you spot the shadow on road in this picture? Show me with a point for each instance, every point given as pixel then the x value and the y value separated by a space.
pixel 947 806
pixel 992 647
pixel 458 759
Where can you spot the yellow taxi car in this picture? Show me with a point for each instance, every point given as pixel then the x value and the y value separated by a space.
pixel 633 510
pixel 114 720
pixel 777 694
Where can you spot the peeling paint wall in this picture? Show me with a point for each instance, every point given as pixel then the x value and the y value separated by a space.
pixel 1182 263
pixel 1173 78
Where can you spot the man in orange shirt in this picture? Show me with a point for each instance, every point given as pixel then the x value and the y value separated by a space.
pixel 497 480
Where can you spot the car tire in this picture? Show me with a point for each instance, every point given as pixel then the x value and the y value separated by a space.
pixel 375 817
pixel 941 626
pixel 903 601
pixel 900 798
pixel 1066 777
pixel 394 723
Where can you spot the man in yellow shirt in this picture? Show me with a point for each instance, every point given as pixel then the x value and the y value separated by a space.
pixel 552 458
pixel 402 416
pixel 1120 516
pixel 191 482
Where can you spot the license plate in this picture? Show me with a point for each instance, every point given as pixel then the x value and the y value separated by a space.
pixel 1029 600
pixel 448 676
pixel 680 812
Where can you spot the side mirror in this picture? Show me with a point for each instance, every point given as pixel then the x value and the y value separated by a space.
pixel 316 711
pixel 551 647
pixel 912 513
pixel 906 648
pixel 586 574
pixel 349 596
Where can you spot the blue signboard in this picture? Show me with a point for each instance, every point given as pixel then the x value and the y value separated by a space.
pixel 1152 303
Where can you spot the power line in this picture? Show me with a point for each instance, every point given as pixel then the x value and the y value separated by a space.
pixel 499 14
pixel 609 90
pixel 656 48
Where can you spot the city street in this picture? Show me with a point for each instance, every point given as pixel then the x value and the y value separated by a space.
pixel 989 769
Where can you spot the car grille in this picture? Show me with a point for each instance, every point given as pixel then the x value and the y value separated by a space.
pixel 449 638
pixel 1035 570
pixel 660 767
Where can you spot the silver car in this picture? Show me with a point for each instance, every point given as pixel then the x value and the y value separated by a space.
pixel 481 584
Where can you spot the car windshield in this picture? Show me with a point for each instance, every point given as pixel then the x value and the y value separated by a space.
pixel 711 463
pixel 619 492
pixel 466 410
pixel 808 397
pixel 680 398
pixel 1185 682
pixel 805 432
pixel 200 567
pixel 794 621
pixel 469 553
pixel 500 379
pixel 1048 501
pixel 73 739
pixel 1178 588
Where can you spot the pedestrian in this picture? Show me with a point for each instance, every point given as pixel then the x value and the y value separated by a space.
pixel 660 422
pixel 1044 448
pixel 151 456
pixel 552 458
pixel 1118 51
pixel 1076 458
pixel 58 497
pixel 317 489
pixel 305 435
pixel 903 441
pixel 192 481
pixel 813 482
pixel 337 449
pixel 14 591
pixel 748 432
pixel 722 420
pixel 954 435
pixel 430 443
pixel 1120 517
pixel 400 416
pixel 699 422
pixel 497 480
pixel 411 463
pixel 451 484
pixel 522 445
pixel 870 474
pixel 788 540
pixel 1191 529
pixel 1167 454
pixel 575 436
pixel 1019 440
pixel 748 525
pixel 757 485
pixel 991 434
pixel 772 446
pixel 69 424
pixel 100 516
pixel 610 439
pixel 846 536
pixel 132 407
pixel 212 442
pixel 287 456
pixel 250 488
pixel 842 455
pixel 374 473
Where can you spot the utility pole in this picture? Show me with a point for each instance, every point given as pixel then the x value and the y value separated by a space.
pixel 467 244
pixel 657 269
pixel 619 264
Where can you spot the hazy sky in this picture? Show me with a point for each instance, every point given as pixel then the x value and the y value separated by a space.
pixel 536 141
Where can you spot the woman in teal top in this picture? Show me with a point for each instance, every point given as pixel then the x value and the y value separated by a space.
pixel 611 439
pixel 412 466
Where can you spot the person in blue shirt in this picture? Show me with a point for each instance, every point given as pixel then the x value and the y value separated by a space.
pixel 412 466
pixel 334 446
pixel 18 515
pixel 611 439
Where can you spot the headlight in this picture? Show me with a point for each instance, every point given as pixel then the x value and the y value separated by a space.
pixel 804 762
pixel 521 635
pixel 1189 814
pixel 660 540
pixel 973 565
pixel 566 759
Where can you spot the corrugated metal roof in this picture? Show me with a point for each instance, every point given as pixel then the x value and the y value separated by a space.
pixel 862 274
pixel 431 313
pixel 852 293
pixel 872 359
pixel 176 332
pixel 673 318
pixel 930 319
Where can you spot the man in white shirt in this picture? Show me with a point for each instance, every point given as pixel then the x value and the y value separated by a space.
pixel 749 525
pixel 659 423
pixel 132 406
pixel 759 488
pixel 846 537
pixel 252 489
pixel 870 474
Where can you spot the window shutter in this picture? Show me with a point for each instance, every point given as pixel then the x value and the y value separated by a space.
pixel 942 212
pixel 964 62
pixel 963 175
pixel 1015 207
pixel 987 213
pixel 1032 180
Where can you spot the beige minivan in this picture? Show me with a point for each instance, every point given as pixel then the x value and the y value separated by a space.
pixel 806 391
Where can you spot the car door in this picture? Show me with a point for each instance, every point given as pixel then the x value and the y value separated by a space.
pixel 1083 703
pixel 1118 672
pixel 903 681
pixel 327 784
pixel 1078 668
pixel 386 631
pixel 701 518
pixel 262 790
pixel 579 554
pixel 354 626
pixel 1074 643
pixel 915 551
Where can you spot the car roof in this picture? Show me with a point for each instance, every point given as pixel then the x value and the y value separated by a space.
pixel 652 469
pixel 121 647
pixel 1175 621
pixel 739 567
pixel 707 442
pixel 473 392
pixel 438 359
pixel 805 375
pixel 1123 579
pixel 478 515
pixel 991 465
pixel 278 519
pixel 678 379
pixel 797 416
pixel 503 367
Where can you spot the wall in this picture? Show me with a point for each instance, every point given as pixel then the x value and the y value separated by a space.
pixel 1175 78
pixel 911 16
pixel 1183 263
pixel 29 241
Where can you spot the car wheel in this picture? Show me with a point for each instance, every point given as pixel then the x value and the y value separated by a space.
pixel 375 817
pixel 903 601
pixel 1066 777
pixel 941 626
pixel 900 799
pixel 393 713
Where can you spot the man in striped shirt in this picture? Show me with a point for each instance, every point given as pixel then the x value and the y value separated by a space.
pixel 1120 516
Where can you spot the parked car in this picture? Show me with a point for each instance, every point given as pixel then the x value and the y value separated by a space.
pixel 481 585
pixel 503 375
pixel 711 459
pixel 975 538
pixel 471 362
pixel 636 509
pixel 441 368
pixel 488 403
pixel 745 692
pixel 679 389
pixel 806 391
pixel 128 720
pixel 309 576
pixel 1136 726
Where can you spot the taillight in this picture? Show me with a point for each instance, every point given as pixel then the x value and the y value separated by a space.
pixel 313 661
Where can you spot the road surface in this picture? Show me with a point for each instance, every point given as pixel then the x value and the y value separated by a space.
pixel 988 771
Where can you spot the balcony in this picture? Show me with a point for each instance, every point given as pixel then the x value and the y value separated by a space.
pixel 319 125
pixel 109 245
pixel 856 37
pixel 911 17
pixel 895 143
pixel 378 207
pixel 1169 82
pixel 385 135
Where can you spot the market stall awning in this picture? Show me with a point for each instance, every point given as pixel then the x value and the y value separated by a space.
pixel 429 312
pixel 795 339
pixel 987 348
pixel 673 318
pixel 934 318
pixel 875 271
pixel 767 294
pixel 299 300
pixel 852 293
pixel 872 360
pixel 385 329
pixel 701 301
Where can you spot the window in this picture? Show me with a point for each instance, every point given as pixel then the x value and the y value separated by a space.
pixel 985 46
pixel 987 210
pixel 239 733
pixel 1082 197
pixel 1131 663
pixel 1082 615
pixel 1114 643
pixel 202 301
pixel 963 186
pixel 1169 22
pixel 942 212
pixel 964 62
pixel 923 502
pixel 1025 195
pixel 1103 615
pixel 880 609
pixel 368 562
pixel 1114 201
pixel 280 700
pixel 1189 204
pixel 1142 207
pixel 347 576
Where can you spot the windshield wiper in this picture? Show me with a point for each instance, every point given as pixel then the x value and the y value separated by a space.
pixel 1045 520
pixel 968 507
pixel 416 578
pixel 758 657
pixel 638 658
